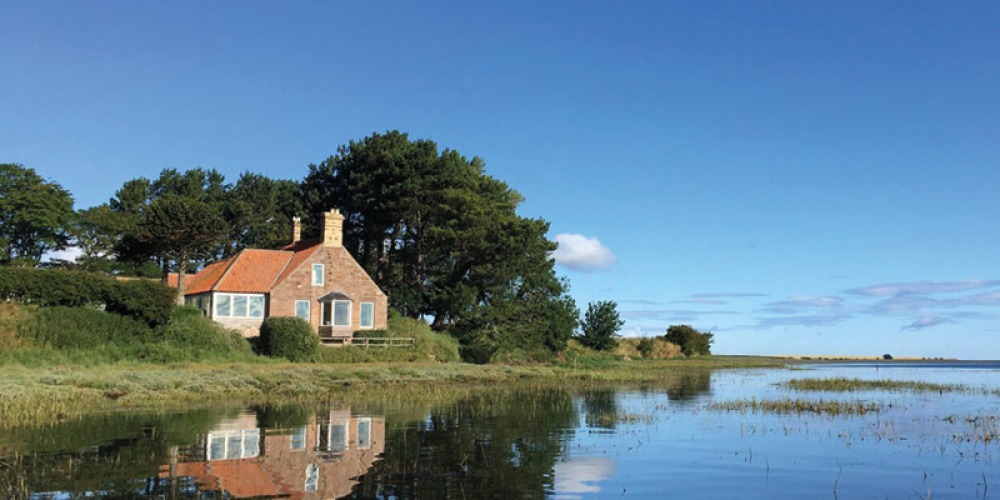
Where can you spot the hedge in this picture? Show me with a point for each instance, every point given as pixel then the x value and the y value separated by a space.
pixel 288 337
pixel 145 300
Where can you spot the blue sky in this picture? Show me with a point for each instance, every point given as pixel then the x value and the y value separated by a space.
pixel 797 177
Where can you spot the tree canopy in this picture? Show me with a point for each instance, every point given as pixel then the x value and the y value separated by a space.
pixel 444 240
pixel 691 341
pixel 34 215
pixel 600 325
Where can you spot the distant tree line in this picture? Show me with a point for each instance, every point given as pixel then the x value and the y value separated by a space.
pixel 441 237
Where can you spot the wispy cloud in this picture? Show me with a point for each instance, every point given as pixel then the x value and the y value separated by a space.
pixel 819 319
pixel 800 303
pixel 725 295
pixel 641 302
pixel 711 302
pixel 921 288
pixel 925 322
pixel 981 299
pixel 670 314
pixel 581 253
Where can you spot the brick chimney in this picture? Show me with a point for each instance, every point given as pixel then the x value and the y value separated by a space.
pixel 296 229
pixel 333 228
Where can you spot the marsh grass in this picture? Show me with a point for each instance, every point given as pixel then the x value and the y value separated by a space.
pixel 47 395
pixel 798 406
pixel 841 384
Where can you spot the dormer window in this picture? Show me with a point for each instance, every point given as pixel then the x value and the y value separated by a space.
pixel 318 274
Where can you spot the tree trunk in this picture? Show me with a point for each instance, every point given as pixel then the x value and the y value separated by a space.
pixel 181 271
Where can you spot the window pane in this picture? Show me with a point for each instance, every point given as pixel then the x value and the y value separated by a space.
pixel 302 309
pixel 251 443
pixel 234 446
pixel 326 310
pixel 216 447
pixel 338 437
pixel 240 306
pixel 299 439
pixel 318 274
pixel 312 477
pixel 342 313
pixel 222 305
pixel 364 433
pixel 256 307
pixel 367 314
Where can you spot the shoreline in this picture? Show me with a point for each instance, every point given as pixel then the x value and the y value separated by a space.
pixel 32 396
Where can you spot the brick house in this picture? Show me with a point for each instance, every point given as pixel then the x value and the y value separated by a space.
pixel 317 280
pixel 240 458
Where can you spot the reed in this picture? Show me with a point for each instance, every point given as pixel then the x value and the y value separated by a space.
pixel 797 406
pixel 50 394
pixel 841 384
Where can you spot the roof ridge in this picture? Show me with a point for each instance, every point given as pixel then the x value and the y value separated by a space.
pixel 232 262
pixel 282 276
pixel 279 274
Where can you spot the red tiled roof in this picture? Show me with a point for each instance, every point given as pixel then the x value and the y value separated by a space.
pixel 302 250
pixel 254 271
pixel 251 270
pixel 205 280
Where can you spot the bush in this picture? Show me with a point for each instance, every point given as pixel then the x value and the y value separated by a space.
pixel 202 338
pixel 647 348
pixel 289 338
pixel 146 300
pixel 691 341
pixel 142 299
pixel 81 328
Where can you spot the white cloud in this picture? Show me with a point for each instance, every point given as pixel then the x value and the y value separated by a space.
pixel 577 477
pixel 69 254
pixel 581 253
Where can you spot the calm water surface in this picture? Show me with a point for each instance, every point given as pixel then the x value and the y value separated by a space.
pixel 515 442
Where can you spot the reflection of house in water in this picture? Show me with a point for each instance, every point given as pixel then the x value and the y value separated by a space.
pixel 239 459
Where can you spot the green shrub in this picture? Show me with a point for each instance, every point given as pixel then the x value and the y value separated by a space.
pixel 81 328
pixel 203 338
pixel 146 300
pixel 289 338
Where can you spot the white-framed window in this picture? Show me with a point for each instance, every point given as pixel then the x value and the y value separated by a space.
pixel 318 274
pixel 298 441
pixel 336 313
pixel 229 445
pixel 364 433
pixel 367 314
pixel 302 309
pixel 239 305
pixel 332 436
pixel 312 477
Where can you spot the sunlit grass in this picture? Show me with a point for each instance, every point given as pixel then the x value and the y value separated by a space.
pixel 47 395
pixel 841 384
pixel 797 406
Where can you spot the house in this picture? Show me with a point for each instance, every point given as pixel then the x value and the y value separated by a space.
pixel 316 280
pixel 240 458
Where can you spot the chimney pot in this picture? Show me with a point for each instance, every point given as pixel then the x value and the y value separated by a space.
pixel 333 228
pixel 296 229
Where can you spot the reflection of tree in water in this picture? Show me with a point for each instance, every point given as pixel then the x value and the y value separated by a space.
pixel 118 454
pixel 504 443
pixel 601 408
pixel 690 385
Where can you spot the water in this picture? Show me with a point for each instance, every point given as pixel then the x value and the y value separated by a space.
pixel 515 442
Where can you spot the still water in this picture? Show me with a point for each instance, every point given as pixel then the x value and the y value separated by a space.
pixel 670 440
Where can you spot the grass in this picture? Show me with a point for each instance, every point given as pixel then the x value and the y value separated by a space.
pixel 841 384
pixel 798 406
pixel 46 395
